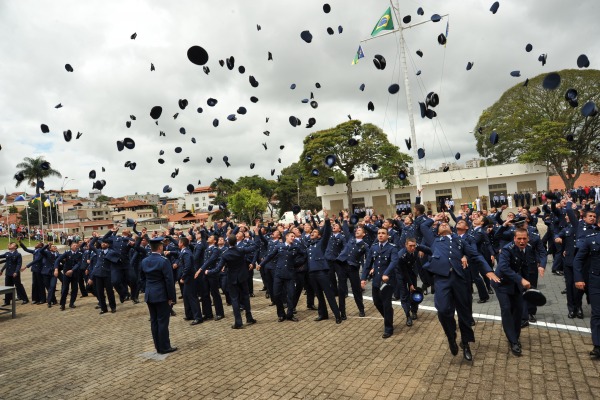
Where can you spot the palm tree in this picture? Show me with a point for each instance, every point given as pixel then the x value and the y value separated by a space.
pixel 34 170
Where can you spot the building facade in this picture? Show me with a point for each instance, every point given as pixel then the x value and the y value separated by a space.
pixel 200 198
pixel 461 185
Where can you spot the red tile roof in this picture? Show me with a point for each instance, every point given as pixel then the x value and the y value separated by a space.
pixel 584 180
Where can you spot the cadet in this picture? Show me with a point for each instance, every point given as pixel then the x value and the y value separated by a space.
pixel 407 277
pixel 38 293
pixel 512 268
pixel 13 264
pixel 210 257
pixel 382 260
pixel 452 284
pixel 335 245
pixel 589 249
pixel 100 275
pixel 289 256
pixel 351 260
pixel 69 263
pixel 566 237
pixel 50 280
pixel 190 289
pixel 159 295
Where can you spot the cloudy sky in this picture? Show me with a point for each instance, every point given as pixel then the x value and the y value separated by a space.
pixel 112 79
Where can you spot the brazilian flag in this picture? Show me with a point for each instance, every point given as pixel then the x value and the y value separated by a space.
pixel 385 23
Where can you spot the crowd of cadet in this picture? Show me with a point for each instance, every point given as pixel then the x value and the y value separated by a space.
pixel 318 258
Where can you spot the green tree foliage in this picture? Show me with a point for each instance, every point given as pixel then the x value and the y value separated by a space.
pixel 373 148
pixel 533 124
pixel 223 187
pixel 293 181
pixel 247 204
pixel 266 188
pixel 103 199
pixel 389 168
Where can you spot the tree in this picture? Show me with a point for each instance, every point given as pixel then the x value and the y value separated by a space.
pixel 223 187
pixel 103 199
pixel 247 204
pixel 33 170
pixel 13 210
pixel 371 149
pixel 264 186
pixel 295 186
pixel 533 125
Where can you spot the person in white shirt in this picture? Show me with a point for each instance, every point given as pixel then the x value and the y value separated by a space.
pixel 510 201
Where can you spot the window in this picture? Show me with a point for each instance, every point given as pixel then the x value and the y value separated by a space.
pixel 196 199
pixel 402 198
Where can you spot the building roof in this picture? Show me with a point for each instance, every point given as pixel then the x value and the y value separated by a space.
pixel 186 216
pixel 203 189
pixel 585 179
pixel 133 204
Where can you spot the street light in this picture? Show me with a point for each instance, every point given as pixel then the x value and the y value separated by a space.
pixel 62 206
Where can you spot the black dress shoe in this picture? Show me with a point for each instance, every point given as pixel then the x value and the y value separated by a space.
pixel 293 319
pixel 206 317
pixel 294 311
pixel 251 321
pixel 338 320
pixel 62 308
pixel 135 301
pixel 103 312
pixel 395 298
pixel 264 289
pixel 571 314
pixel 267 295
pixel 169 350
pixel 343 315
pixel 97 307
pixel 320 318
pixel 196 322
pixel 473 323
pixel 524 323
pixel 113 310
pixel 280 319
pixel 453 346
pixel 361 313
pixel 409 321
pixel 34 302
pixel 516 349
pixel 467 351
pixel 234 326
pixel 532 318
pixel 173 313
pixel 72 306
pixel 25 302
pixel 564 291
pixel 595 352
pixel 580 313
pixel 251 295
pixel 311 308
pixel 219 317
pixel 481 301
pixel 490 291
pixel 413 315
pixel 49 305
pixel 386 335
pixel 180 297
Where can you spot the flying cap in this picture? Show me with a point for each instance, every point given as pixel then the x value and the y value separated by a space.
pixel 379 62
pixel 92 174
pixel 330 160
pixel 371 106
pixel 326 8
pixel 45 128
pixel 68 68
pixel 589 109
pixel 494 7
pixel 402 174
pixel 296 209
pixel 155 112
pixel 583 61
pixel 528 47
pixel 197 55
pixel 394 88
pixel 306 36
pixel 494 137
pixel 190 188
pixel 331 181
pixel 421 153
pixel 551 81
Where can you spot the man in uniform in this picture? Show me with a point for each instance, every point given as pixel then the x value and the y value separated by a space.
pixel 452 284
pixel 68 263
pixel 351 259
pixel 13 264
pixel 100 276
pixel 210 258
pixel 382 260
pixel 186 278
pixel 159 295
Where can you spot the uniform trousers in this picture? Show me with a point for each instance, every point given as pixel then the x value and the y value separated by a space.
pixel 160 314
pixel 68 282
pixel 511 309
pixel 452 293
pixel 322 286
pixel 281 285
pixel 104 284
pixel 344 272
pixel 191 305
pixel 238 292
pixel 9 280
pixel 382 299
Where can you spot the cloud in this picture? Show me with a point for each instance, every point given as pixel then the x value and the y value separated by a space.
pixel 112 80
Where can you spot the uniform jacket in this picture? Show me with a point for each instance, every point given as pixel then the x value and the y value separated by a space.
pixel 233 259
pixel 157 271
pixel 382 259
pixel 13 263
pixel 287 258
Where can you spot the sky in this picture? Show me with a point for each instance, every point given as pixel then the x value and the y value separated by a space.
pixel 112 80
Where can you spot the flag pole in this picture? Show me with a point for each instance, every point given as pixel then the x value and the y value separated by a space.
pixel 28 227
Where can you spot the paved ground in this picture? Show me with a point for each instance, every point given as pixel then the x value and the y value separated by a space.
pixel 80 354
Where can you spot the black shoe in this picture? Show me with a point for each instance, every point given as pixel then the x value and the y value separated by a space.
pixel 320 318
pixel 338 320
pixel 294 311
pixel 169 350
pixel 196 322
pixel 264 289
pixel 97 307
pixel 361 313
pixel 219 317
pixel 72 306
pixel 34 302
pixel 413 315
pixel 234 326
pixel 571 314
pixel 473 322
pixel 293 319
pixel 251 295
pixel 113 310
pixel 409 321
pixel 595 352
pixel 524 323
pixel 24 302
pixel 280 319
pixel 564 291
pixel 425 292
pixel 555 273
pixel 49 305
pixel 251 321
pixel 343 315
pixel 311 308
pixel 560 273
pixel 62 308
pixel 84 295
pixel 516 349
pixel 481 301
pixel 453 346
pixel 490 291
pixel 205 317
pixel 135 301
pixel 395 298
pixel 267 296
pixel 467 351
pixel 186 319
pixel 386 335
pixel 180 297
pixel 103 312
pixel 173 313
pixel 532 318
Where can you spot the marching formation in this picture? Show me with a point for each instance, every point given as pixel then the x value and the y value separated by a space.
pixel 318 257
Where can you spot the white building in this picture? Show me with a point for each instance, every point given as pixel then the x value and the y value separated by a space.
pixel 200 198
pixel 461 185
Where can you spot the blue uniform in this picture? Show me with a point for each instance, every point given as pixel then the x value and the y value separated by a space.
pixel 50 280
pixel 210 257
pixel 382 259
pixel 12 269
pixel 335 245
pixel 38 292
pixel 452 284
pixel 101 262
pixel 589 250
pixel 191 305
pixel 574 296
pixel 406 276
pixel 351 260
pixel 68 262
pixel 157 271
